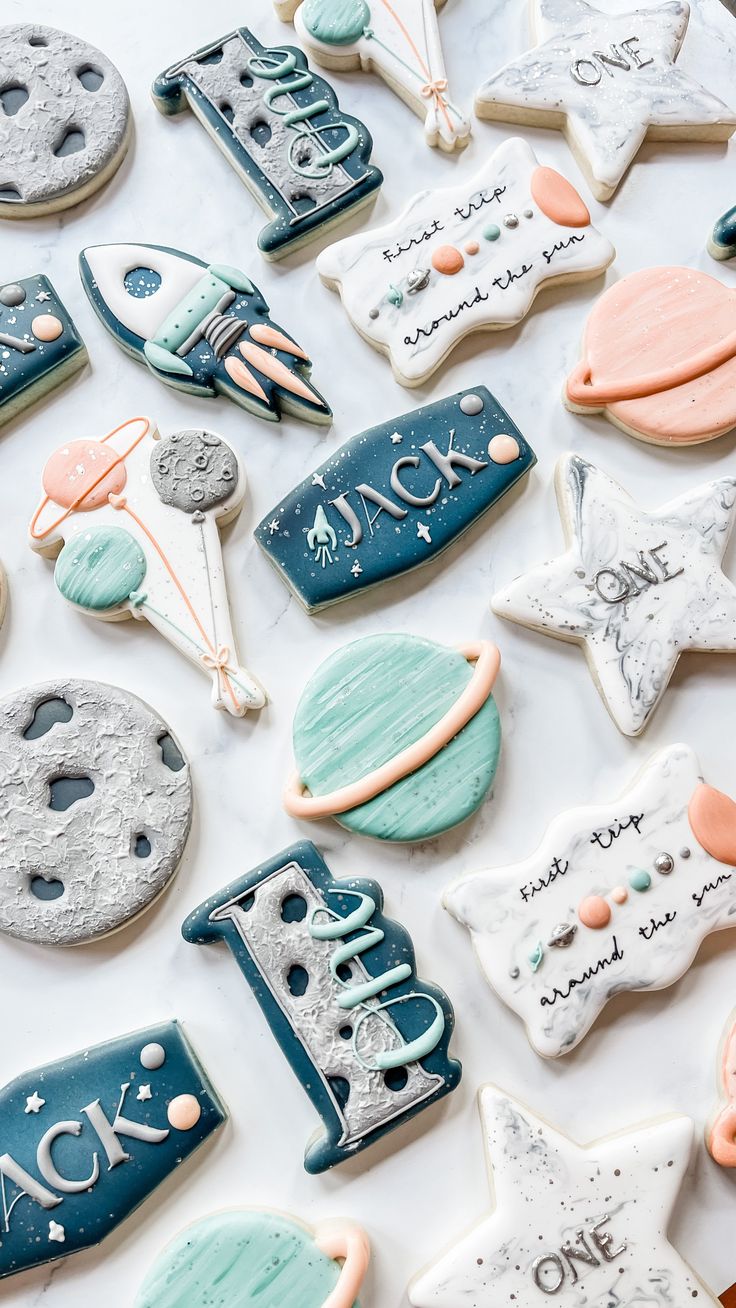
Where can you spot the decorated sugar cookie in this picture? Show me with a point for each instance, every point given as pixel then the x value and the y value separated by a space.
pixel 720 1133
pixel 659 357
pixel 337 983
pixel 135 521
pixel 202 328
pixel 635 588
pixel 468 258
pixel 722 240
pixel 86 1139
pixel 305 160
pixel 610 81
pixel 40 347
pixel 95 809
pixel 65 120
pixel 255 1258
pixel 3 593
pixel 618 897
pixel 394 497
pixel 397 39
pixel 575 1225
pixel 396 737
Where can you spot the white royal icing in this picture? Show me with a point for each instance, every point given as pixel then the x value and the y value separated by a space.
pixel 612 77
pixel 573 1225
pixel 635 587
pixel 420 318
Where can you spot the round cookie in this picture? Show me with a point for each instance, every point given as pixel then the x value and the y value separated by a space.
pixel 64 121
pixel 95 809
pixel 397 737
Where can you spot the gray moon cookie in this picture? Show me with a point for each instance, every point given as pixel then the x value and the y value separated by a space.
pixel 95 809
pixel 64 120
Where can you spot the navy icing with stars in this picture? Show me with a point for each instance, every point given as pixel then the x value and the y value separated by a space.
pixel 40 347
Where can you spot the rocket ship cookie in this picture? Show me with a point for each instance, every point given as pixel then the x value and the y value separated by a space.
pixel 135 521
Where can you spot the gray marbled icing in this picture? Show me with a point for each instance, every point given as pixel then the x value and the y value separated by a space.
pixel 47 64
pixel 193 470
pixel 112 738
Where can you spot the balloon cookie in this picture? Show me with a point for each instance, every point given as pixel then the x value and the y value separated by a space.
pixel 397 39
pixel 610 81
pixel 87 1139
pixel 659 357
pixel 282 129
pixel 394 497
pixel 570 1222
pixel 65 120
pixel 397 737
pixel 40 347
pixel 722 240
pixel 255 1258
pixel 635 588
pixel 201 328
pixel 95 809
pixel 720 1133
pixel 135 521
pixel 337 982
pixel 618 897
pixel 468 258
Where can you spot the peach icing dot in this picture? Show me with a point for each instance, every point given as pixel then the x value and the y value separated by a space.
pixel 447 259
pixel 184 1112
pixel 619 894
pixel 46 327
pixel 594 912
pixel 471 247
pixel 503 448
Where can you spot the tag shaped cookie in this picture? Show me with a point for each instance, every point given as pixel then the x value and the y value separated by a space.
pixel 720 1133
pixel 397 39
pixel 722 240
pixel 65 120
pixel 337 983
pixel 571 1224
pixel 85 1140
pixel 135 521
pixel 635 588
pixel 202 328
pixel 282 129
pixel 659 357
pixel 259 1259
pixel 394 497
pixel 610 81
pixel 468 258
pixel 618 897
pixel 95 809
pixel 40 347
pixel 396 737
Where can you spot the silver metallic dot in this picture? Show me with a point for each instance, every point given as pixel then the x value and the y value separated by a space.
pixel 685 853
pixel 416 280
pixel 373 313
pixel 528 213
pixel 511 220
pixel 664 864
pixel 563 935
pixel 514 973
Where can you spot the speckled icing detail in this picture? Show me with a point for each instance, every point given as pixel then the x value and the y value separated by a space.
pixel 189 322
pixel 635 588
pixel 720 1133
pixel 251 1258
pixel 613 81
pixel 367 1038
pixel 722 240
pixel 371 700
pixel 651 939
pixel 90 1149
pixel 281 128
pixel 36 173
pixel 31 365
pixel 355 522
pixel 494 289
pixel 88 849
pixel 574 1225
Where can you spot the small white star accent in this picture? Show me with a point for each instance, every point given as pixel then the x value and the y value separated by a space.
pixel 423 532
pixel 43 296
pixel 274 526
pixel 57 1232
pixel 356 569
pixel 318 480
pixel 144 1093
pixel 34 1103
pixel 397 438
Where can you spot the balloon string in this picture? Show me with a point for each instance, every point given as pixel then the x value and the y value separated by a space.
pixel 439 98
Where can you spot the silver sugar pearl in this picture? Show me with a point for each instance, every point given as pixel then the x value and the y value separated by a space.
pixel 563 935
pixel 514 973
pixel 685 853
pixel 511 220
pixel 664 864
pixel 528 213
pixel 373 313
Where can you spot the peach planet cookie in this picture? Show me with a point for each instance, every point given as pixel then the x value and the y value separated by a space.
pixel 720 1133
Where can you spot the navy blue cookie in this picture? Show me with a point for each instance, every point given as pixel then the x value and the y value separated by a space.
pixel 40 348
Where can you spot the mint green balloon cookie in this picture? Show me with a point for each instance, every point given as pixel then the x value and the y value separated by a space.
pixel 336 22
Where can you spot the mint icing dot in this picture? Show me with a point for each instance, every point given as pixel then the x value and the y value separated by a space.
pixel 336 22
pixel 640 880
pixel 491 232
pixel 99 568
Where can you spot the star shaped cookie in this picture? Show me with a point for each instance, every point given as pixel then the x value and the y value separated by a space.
pixel 609 81
pixel 581 1225
pixel 635 587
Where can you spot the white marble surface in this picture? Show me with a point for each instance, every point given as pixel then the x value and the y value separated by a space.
pixel 647 1054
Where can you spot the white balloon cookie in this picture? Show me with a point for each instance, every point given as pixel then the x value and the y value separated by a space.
pixel 617 897
pixel 635 587
pixel 610 81
pixel 583 1225
pixel 468 258
pixel 135 521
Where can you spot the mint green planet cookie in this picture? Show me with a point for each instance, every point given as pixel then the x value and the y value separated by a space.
pixel 397 737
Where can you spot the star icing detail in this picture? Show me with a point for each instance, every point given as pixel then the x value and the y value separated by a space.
pixel 397 438
pixel 274 526
pixel 56 1232
pixel 34 1103
pixel 591 1217
pixel 614 79
pixel 423 532
pixel 144 1093
pixel 318 480
pixel 635 587
pixel 43 296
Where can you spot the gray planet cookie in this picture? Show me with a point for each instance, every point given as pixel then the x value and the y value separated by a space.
pixel 95 809
pixel 64 120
